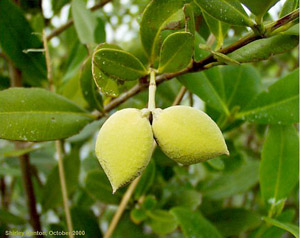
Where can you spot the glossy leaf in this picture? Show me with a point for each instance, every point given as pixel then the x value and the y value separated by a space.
pixel 16 36
pixel 218 28
pixel 118 64
pixel 193 224
pixel 279 165
pixel 51 194
pixel 189 18
pixel 234 221
pixel 99 188
pixel 291 228
pixel 151 25
pixel 227 11
pixel 277 105
pixel 38 115
pixel 265 48
pixel 176 52
pixel 89 28
pixel 84 220
pixel 233 183
pixel 207 85
pixel 162 222
pixel 242 84
pixel 288 7
pixel 258 7
pixel 89 89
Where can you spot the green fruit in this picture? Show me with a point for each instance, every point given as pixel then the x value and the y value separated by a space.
pixel 124 146
pixel 187 135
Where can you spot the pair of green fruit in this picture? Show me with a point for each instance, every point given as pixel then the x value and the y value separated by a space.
pixel 125 142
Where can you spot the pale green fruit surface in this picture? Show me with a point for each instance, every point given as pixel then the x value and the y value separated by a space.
pixel 187 135
pixel 124 146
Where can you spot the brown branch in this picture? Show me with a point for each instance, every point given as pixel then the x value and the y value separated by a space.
pixel 3 192
pixel 201 65
pixel 70 22
pixel 29 191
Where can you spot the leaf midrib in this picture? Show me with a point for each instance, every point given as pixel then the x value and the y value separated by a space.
pixel 217 96
pixel 47 113
pixel 174 55
pixel 259 109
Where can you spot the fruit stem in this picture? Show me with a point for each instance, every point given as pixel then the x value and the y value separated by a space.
pixel 152 90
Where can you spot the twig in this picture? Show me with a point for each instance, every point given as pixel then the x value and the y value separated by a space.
pixel 30 197
pixel 48 62
pixel 180 96
pixel 64 190
pixel 69 23
pixel 3 192
pixel 58 145
pixel 121 208
pixel 197 66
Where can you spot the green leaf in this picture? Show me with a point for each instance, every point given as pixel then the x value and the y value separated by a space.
pixel 258 7
pixel 293 229
pixel 275 232
pixel 207 85
pixel 4 170
pixel 107 85
pixel 279 166
pixel 16 35
pixel 88 87
pixel 149 203
pixel 126 228
pixel 189 18
pixel 161 221
pixel 227 11
pixel 232 183
pixel 288 7
pixel 242 84
pixel 199 53
pixel 277 105
pixel 193 224
pixel 51 193
pixel 18 152
pixel 84 220
pixel 99 188
pixel 146 180
pixel 34 114
pixel 234 221
pixel 263 49
pixel 216 163
pixel 176 52
pixel 138 215
pixel 89 28
pixel 187 198
pixel 218 28
pixel 119 64
pixel 11 219
pixel 151 25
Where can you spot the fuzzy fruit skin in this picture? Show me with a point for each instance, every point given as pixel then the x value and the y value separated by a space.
pixel 124 146
pixel 187 135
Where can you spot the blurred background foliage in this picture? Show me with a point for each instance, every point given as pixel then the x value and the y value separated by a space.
pixel 219 198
